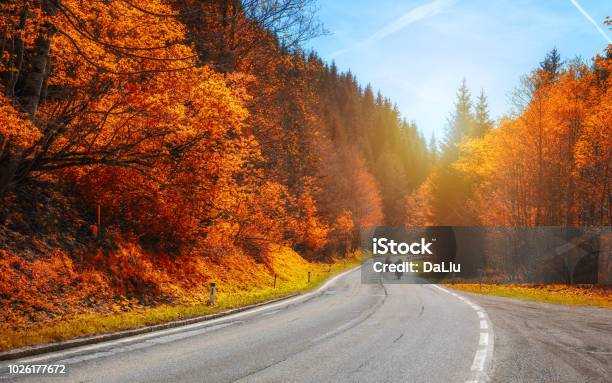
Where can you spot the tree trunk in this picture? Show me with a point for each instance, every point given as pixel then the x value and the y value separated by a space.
pixel 35 78
pixel 32 71
pixel 9 163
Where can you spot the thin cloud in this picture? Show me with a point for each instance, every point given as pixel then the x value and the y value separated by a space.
pixel 414 15
pixel 590 19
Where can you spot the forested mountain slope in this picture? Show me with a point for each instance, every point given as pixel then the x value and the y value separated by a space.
pixel 198 134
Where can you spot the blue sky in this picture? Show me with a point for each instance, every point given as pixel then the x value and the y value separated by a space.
pixel 417 51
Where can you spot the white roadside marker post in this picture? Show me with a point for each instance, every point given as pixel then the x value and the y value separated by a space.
pixel 211 301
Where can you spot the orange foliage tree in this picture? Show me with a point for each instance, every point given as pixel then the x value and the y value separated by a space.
pixel 564 128
pixel 193 123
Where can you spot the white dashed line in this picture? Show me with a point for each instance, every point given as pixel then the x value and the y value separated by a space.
pixel 483 324
pixel 484 339
pixel 484 353
pixel 479 361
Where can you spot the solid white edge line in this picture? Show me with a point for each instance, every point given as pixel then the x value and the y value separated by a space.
pixel 484 352
pixel 159 333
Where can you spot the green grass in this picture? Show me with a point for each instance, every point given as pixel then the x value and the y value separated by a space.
pixel 559 294
pixel 95 323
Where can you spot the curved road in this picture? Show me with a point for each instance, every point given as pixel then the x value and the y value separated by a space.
pixel 346 332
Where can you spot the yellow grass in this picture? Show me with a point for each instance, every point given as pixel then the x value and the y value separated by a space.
pixel 560 294
pixel 292 277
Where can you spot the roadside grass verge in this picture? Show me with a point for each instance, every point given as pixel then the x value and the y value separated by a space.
pixel 560 294
pixel 292 278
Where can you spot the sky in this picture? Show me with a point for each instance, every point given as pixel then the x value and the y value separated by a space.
pixel 416 52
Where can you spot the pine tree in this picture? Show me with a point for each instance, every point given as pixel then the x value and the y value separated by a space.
pixel 552 63
pixel 433 148
pixel 450 190
pixel 549 70
pixel 460 121
pixel 482 119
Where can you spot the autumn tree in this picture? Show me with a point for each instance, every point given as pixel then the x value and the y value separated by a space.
pixel 561 126
pixel 91 86
pixel 198 122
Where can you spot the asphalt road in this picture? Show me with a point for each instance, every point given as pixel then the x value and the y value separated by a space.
pixel 354 332
pixel 540 342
